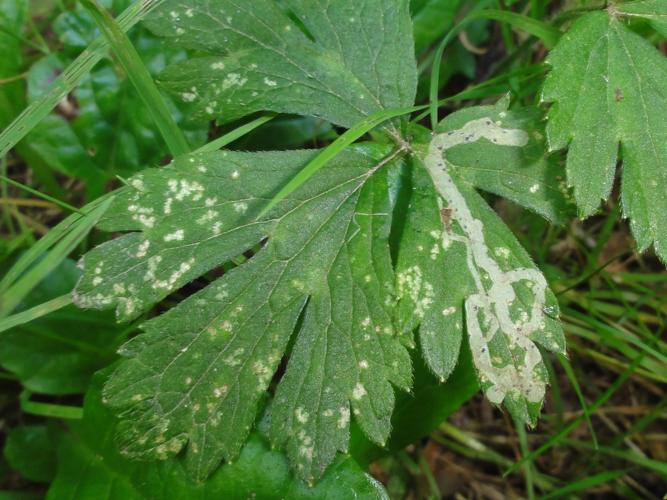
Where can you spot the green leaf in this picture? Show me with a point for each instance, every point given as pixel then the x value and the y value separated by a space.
pixel 609 88
pixel 424 281
pixel 431 20
pixel 194 362
pixel 57 144
pixel 13 15
pixel 60 88
pixel 141 79
pixel 58 353
pixel 528 176
pixel 29 450
pixel 89 466
pixel 339 63
pixel 655 11
pixel 459 265
pixel 110 130
pixel 318 294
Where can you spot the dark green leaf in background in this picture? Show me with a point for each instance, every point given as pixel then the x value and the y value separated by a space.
pixel 103 129
pixel 58 353
pixel 13 16
pixel 29 449
pixel 89 466
pixel 431 20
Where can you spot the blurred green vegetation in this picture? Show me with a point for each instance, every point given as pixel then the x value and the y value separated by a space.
pixel 602 432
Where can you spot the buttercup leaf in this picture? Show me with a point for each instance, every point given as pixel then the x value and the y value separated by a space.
pixel 340 61
pixel 460 265
pixel 199 371
pixel 316 316
pixel 609 88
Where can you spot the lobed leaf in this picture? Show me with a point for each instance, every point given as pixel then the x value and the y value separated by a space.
pixel 339 62
pixel 460 266
pixel 317 312
pixel 609 90
pixel 198 372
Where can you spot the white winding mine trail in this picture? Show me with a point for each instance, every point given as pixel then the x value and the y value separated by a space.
pixel 488 310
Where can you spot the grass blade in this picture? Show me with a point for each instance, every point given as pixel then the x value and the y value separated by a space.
pixel 49 409
pixel 69 79
pixel 334 149
pixel 632 457
pixel 235 134
pixel 51 238
pixel 44 196
pixel 471 447
pixel 15 294
pixel 528 467
pixel 585 483
pixel 35 312
pixel 577 389
pixel 544 31
pixel 138 74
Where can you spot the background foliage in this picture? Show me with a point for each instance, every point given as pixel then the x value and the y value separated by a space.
pixel 600 434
